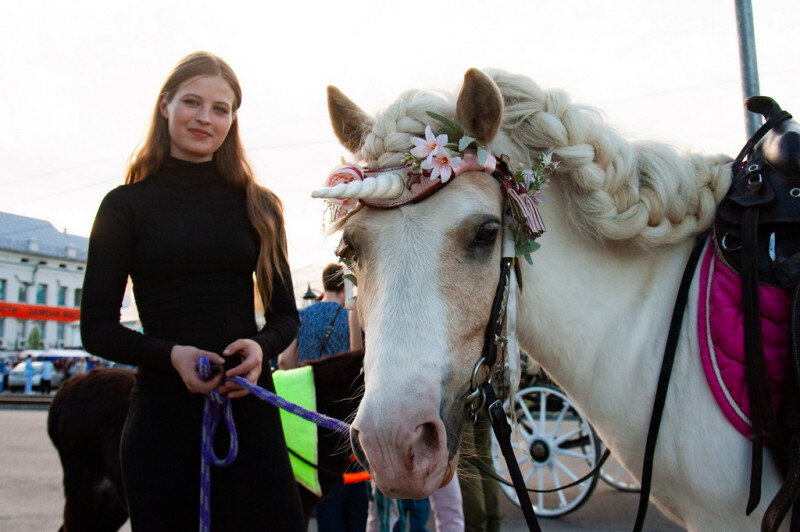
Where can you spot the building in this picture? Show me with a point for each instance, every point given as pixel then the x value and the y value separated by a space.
pixel 41 276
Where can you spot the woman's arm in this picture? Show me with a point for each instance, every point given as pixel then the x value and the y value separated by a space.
pixel 288 359
pixel 111 248
pixel 356 341
pixel 282 318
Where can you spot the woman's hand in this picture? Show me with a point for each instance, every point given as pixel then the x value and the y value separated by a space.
pixel 184 360
pixel 250 368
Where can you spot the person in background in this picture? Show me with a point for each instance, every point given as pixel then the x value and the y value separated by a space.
pixel 79 366
pixel 191 226
pixel 47 376
pixel 480 492
pixel 323 332
pixel 324 326
pixel 29 373
pixel 2 374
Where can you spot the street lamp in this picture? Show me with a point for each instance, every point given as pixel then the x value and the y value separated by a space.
pixel 309 297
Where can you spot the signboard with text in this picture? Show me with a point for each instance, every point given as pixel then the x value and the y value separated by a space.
pixel 22 311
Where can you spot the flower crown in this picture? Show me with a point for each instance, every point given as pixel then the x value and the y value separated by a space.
pixel 432 163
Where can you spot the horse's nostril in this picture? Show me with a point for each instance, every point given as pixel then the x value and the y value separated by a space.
pixel 427 443
pixel 429 436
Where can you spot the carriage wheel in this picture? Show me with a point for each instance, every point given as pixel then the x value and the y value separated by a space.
pixel 616 476
pixel 554 445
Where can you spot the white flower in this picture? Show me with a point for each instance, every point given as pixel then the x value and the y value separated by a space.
pixel 441 164
pixel 429 145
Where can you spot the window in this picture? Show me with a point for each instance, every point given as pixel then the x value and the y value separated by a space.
pixel 60 332
pixel 78 294
pixel 62 296
pixel 2 289
pixel 22 293
pixel 2 328
pixel 41 294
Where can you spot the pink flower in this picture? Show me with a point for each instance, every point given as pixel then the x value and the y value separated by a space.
pixel 441 164
pixel 491 163
pixel 430 144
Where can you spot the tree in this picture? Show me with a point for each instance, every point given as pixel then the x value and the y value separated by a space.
pixel 35 339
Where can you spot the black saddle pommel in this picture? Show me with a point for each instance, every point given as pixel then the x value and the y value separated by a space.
pixel 763 105
pixel 780 145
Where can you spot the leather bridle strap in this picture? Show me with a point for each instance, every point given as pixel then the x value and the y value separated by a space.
pixel 502 431
pixel 663 380
pixel 494 329
pixel 494 407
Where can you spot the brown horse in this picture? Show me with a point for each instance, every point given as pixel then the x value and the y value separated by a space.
pixel 85 425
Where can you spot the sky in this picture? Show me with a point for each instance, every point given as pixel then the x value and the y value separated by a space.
pixel 80 80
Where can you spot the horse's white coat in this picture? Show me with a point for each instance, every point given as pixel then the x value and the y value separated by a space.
pixel 596 319
pixel 594 313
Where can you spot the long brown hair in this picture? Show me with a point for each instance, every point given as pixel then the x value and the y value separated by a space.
pixel 264 208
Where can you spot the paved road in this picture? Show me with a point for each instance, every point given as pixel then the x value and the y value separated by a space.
pixel 31 498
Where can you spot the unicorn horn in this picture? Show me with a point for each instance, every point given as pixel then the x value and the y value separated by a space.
pixel 383 186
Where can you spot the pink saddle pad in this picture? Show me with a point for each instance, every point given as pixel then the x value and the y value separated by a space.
pixel 721 334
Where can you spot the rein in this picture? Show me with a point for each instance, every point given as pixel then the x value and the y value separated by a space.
pixel 215 404
pixel 663 380
pixel 595 470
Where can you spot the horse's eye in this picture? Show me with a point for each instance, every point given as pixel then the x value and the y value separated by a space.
pixel 486 235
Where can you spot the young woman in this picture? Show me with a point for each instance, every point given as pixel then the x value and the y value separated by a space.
pixel 190 226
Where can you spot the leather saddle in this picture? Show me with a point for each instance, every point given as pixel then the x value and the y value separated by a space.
pixel 757 233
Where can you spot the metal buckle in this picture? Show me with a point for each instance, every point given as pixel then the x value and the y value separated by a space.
pixel 476 401
pixel 724 243
pixel 754 179
pixel 476 398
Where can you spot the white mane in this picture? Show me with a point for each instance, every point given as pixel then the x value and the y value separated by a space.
pixel 645 193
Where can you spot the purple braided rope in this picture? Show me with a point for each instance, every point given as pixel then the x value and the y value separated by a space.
pixel 324 421
pixel 213 404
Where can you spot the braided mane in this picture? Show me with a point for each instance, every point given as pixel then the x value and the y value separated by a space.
pixel 645 193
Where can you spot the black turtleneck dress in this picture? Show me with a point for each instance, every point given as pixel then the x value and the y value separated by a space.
pixel 184 237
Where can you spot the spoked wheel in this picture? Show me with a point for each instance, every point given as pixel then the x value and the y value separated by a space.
pixel 616 476
pixel 554 446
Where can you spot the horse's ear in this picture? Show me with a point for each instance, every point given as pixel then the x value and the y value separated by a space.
pixel 480 106
pixel 350 123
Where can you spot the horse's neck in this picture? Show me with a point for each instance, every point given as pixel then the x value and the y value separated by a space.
pixel 596 317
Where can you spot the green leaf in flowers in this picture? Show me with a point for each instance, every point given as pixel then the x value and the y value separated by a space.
pixel 482 155
pixel 348 272
pixel 452 129
pixel 464 143
pixel 526 247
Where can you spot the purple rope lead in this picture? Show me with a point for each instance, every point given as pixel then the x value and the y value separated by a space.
pixel 213 404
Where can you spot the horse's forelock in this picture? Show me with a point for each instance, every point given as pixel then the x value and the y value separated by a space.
pixel 389 140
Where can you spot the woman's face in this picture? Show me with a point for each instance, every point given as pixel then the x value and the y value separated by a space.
pixel 199 116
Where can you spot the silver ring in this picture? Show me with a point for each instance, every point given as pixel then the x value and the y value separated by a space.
pixel 724 244
pixel 754 179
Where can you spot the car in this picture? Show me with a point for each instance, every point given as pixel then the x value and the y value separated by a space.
pixel 16 379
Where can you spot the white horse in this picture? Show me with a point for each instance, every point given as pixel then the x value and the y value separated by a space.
pixel 595 306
